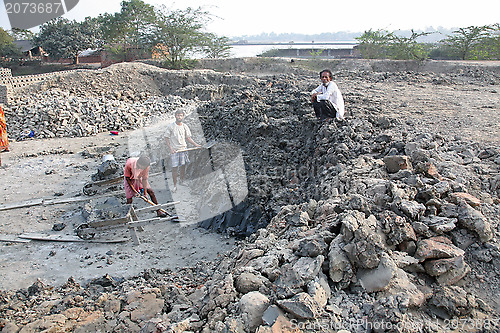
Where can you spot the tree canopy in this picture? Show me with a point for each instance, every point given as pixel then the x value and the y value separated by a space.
pixel 137 31
pixel 474 42
pixel 181 32
pixel 470 43
pixel 385 44
pixel 62 38
pixel 132 25
pixel 7 46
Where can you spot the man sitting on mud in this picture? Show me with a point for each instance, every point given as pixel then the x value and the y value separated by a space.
pixel 177 134
pixel 135 181
pixel 327 99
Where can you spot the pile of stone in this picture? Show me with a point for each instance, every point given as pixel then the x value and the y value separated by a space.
pixel 57 113
pixel 118 98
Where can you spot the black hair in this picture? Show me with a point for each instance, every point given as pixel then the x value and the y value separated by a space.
pixel 144 160
pixel 328 71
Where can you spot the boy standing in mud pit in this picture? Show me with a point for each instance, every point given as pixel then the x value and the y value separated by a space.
pixel 176 135
pixel 327 99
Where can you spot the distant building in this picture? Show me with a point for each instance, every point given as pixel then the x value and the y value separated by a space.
pixel 28 49
pixel 84 57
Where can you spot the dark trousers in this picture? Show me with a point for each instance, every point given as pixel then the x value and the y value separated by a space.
pixel 324 109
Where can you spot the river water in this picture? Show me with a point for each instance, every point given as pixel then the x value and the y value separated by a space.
pixel 253 50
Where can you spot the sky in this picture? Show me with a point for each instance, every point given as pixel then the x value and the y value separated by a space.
pixel 239 18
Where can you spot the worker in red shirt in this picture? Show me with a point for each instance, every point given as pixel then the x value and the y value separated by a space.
pixel 135 180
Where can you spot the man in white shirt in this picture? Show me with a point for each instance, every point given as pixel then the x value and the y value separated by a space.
pixel 177 134
pixel 327 99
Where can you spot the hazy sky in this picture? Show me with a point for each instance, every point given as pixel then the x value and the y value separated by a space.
pixel 237 18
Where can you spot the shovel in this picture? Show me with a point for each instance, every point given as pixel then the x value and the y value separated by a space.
pixel 207 145
pixel 174 217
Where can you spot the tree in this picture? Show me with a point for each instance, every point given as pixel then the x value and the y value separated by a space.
pixel 465 41
pixel 7 46
pixel 181 31
pixel 383 44
pixel 374 44
pixel 489 48
pixel 62 38
pixel 21 34
pixel 405 48
pixel 217 46
pixel 131 27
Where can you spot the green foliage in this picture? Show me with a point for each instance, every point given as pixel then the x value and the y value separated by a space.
pixel 382 44
pixel 7 46
pixel 270 53
pixel 116 52
pixel 217 46
pixel 20 34
pixel 132 26
pixel 139 30
pixel 490 48
pixel 181 32
pixel 406 48
pixel 442 52
pixel 315 53
pixel 62 38
pixel 468 42
pixel 374 44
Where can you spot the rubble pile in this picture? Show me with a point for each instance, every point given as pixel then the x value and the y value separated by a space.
pixel 370 224
pixel 56 113
pixel 118 98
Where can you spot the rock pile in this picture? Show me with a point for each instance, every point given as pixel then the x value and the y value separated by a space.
pixel 365 225
pixel 57 113
pixel 120 97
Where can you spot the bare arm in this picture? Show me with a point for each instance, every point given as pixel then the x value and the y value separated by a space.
pixel 191 141
pixel 172 151
pixel 313 97
pixel 131 184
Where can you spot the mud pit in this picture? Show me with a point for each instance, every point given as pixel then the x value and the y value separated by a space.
pixel 59 168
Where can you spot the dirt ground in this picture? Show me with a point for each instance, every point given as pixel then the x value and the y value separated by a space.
pixel 55 169
pixel 59 168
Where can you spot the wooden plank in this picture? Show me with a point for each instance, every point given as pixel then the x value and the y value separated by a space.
pixel 140 223
pixel 134 217
pixel 29 203
pixel 50 201
pixel 156 207
pixel 108 223
pixel 132 213
pixel 68 238
pixel 133 233
pixel 13 239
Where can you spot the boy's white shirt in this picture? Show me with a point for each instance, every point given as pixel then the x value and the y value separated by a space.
pixel 177 135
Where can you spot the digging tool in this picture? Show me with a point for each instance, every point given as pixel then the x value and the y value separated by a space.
pixel 207 145
pixel 92 188
pixel 173 217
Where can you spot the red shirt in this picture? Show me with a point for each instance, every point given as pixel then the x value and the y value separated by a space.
pixel 138 175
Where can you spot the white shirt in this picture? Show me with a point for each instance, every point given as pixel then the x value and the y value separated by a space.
pixel 332 93
pixel 177 135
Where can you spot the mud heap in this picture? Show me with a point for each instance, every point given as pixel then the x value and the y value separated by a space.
pixel 378 223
